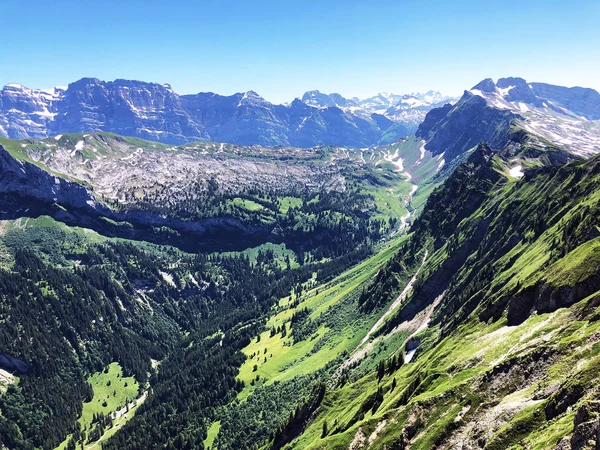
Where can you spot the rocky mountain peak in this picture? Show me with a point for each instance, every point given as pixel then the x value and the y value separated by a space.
pixel 511 81
pixel 491 112
pixel 83 82
pixel 486 85
pixel 320 100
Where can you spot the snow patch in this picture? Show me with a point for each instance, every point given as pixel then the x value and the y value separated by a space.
pixel 396 302
pixel 193 280
pixel 395 160
pixel 422 150
pixel 167 277
pixel 477 92
pixel 517 171
pixel 504 91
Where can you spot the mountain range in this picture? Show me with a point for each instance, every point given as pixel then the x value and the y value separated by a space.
pixel 408 109
pixel 158 185
pixel 155 112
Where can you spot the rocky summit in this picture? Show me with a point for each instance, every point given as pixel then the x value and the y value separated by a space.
pixel 493 112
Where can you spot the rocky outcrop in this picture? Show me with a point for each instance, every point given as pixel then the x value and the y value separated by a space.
pixel 545 297
pixel 463 126
pixel 432 118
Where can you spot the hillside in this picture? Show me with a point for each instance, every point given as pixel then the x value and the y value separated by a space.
pixel 77 215
pixel 500 329
pixel 209 196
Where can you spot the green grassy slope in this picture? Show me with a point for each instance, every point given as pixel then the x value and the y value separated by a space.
pixel 509 358
pixel 287 365
pixel 288 357
pixel 112 392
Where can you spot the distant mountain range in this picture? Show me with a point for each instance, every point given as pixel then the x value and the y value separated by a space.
pixel 409 109
pixel 155 112
pixel 545 124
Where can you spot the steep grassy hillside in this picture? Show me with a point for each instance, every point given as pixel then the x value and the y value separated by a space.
pixel 504 352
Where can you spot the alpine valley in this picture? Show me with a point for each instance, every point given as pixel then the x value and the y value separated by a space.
pixel 201 271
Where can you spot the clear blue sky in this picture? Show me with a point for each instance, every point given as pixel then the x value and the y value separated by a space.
pixel 282 48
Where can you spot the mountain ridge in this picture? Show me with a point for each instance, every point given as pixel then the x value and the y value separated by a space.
pixel 505 303
pixel 154 111
pixel 493 112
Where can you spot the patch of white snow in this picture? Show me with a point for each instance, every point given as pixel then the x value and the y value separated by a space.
pixel 409 355
pixel 517 171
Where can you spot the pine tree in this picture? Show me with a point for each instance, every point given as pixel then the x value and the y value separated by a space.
pixel 380 370
pixel 324 431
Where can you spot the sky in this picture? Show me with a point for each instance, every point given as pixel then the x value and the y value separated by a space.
pixel 283 48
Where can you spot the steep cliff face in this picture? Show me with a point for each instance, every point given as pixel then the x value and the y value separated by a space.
pixel 131 108
pixel 26 179
pixel 330 126
pixel 464 126
pixel 244 119
pixel 432 119
pixel 27 112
